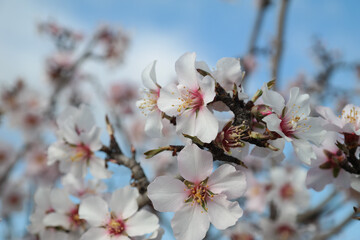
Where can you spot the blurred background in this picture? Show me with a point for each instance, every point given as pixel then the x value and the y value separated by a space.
pixel 320 52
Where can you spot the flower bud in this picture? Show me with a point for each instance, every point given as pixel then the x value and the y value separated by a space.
pixel 260 111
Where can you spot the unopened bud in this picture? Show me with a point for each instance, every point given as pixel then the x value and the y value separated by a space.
pixel 260 111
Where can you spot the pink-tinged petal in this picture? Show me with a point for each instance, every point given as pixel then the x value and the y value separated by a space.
pixel 273 124
pixel 190 222
pixel 169 100
pixel 94 210
pixel 207 86
pixel 123 202
pixel 60 201
pixel 57 220
pixel 167 194
pixel 317 179
pixel 186 71
pixel 148 77
pixel 273 99
pixel 206 125
pixel 96 234
pixel 97 168
pixel 223 213
pixel 228 72
pixel 153 125
pixel 195 165
pixel 226 180
pixel 143 222
pixel 304 151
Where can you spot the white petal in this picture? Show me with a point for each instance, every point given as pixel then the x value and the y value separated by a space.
pixel 317 179
pixel 167 194
pixel 273 99
pixel 143 222
pixel 355 184
pixel 57 151
pixel 78 169
pixel 186 71
pixel 228 181
pixel 195 165
pixel 153 125
pixel 207 86
pixel 123 202
pixel 223 213
pixel 148 77
pixel 303 150
pixel 60 201
pixel 57 220
pixel 168 100
pixel 94 210
pixel 190 222
pixel 206 125
pixel 96 234
pixel 97 168
pixel 329 115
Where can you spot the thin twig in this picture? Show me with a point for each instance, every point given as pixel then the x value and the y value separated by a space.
pixel 279 41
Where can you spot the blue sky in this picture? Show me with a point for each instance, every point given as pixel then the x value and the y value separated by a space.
pixel 164 30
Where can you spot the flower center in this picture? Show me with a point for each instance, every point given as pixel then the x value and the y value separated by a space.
pixel 285 232
pixel 287 191
pixel 350 116
pixel 149 102
pixel 191 99
pixel 291 125
pixel 82 152
pixel 198 193
pixel 242 236
pixel 75 218
pixel 115 227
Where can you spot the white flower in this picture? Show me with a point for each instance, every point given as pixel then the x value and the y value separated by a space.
pixel 288 187
pixel 188 100
pixel 81 188
pixel 292 121
pixel 80 139
pixel 348 122
pixel 122 222
pixel 326 169
pixel 148 104
pixel 53 209
pixel 202 198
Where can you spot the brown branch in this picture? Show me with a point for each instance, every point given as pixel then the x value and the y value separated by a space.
pixel 257 26
pixel 279 41
pixel 314 213
pixel 115 155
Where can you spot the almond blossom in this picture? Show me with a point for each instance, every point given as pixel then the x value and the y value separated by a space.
pixel 288 188
pixel 148 105
pixel 347 122
pixel 293 123
pixel 326 168
pixel 122 222
pixel 203 196
pixel 54 214
pixel 80 138
pixel 188 100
